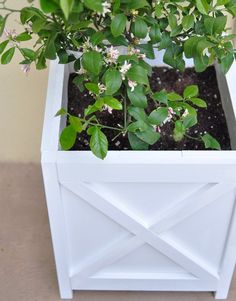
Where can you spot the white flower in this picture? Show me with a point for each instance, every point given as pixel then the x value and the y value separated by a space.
pixel 132 84
pixel 124 69
pixel 186 112
pixel 134 12
pixel 142 56
pixel 102 88
pixel 107 108
pixel 131 50
pixel 157 128
pixel 10 33
pixel 112 55
pixel 134 51
pixel 25 68
pixel 106 9
pixel 87 45
pixel 171 113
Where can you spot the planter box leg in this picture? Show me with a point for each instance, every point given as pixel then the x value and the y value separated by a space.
pixel 229 261
pixel 57 225
pixel 223 289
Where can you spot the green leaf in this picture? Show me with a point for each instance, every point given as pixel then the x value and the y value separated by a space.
pixel 28 53
pixel 146 66
pixel 97 38
pixel 135 4
pixel 68 137
pixel 136 143
pixel 2 24
pixel 112 102
pixel 117 41
pixel 199 102
pixel 7 56
pixel 147 49
pixel 137 97
pixel 139 28
pixel 113 81
pixel 174 57
pixel 215 25
pixel 66 6
pixel 61 112
pixel 172 21
pixel 189 121
pixel 158 116
pixel 155 34
pixel 188 22
pixel 3 45
pixel 165 41
pixel 41 62
pixel 203 6
pixel 92 88
pixel 29 13
pixel 138 74
pixel 226 62
pixel 191 91
pixel 174 96
pixel 95 5
pixel 92 62
pixel 48 6
pixel 91 109
pixel 50 50
pixel 99 143
pixel 24 36
pixel 76 123
pixel 161 97
pixel 138 125
pixel 124 57
pixel 137 113
pixel 150 136
pixel 118 25
pixel 210 142
pixel 190 46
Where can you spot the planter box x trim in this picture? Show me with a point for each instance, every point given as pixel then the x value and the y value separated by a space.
pixel 141 233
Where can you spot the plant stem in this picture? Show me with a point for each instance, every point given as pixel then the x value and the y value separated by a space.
pixel 125 113
pixel 114 138
pixel 102 126
pixel 193 138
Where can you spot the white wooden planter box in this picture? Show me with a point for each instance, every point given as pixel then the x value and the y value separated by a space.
pixel 145 220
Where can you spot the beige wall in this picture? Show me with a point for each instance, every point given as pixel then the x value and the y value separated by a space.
pixel 22 101
pixel 22 104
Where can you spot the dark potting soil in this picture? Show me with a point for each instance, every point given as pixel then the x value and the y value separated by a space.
pixel 211 120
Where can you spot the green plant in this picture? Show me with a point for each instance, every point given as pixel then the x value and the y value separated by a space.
pixel 196 29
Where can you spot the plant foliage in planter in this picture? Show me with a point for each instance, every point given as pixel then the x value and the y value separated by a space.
pixel 118 77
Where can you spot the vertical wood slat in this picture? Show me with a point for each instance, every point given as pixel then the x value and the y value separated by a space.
pixel 57 225
pixel 229 259
pixel 51 125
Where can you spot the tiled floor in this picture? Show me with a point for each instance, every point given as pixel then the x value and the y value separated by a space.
pixel 27 271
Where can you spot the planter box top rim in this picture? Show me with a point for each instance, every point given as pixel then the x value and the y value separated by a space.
pixel 143 157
